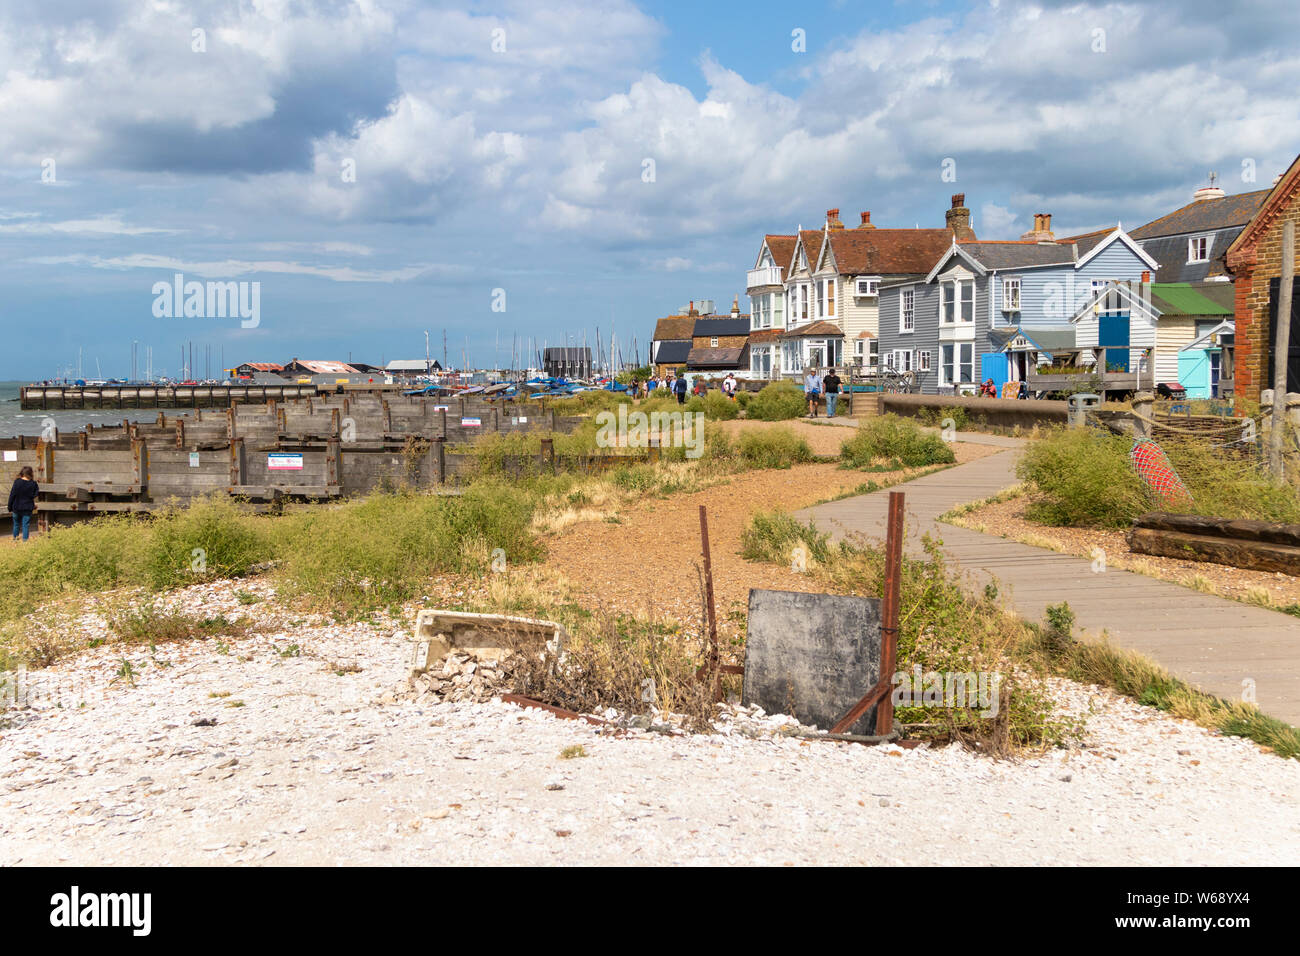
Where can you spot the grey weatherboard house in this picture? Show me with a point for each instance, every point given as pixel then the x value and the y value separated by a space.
pixel 999 309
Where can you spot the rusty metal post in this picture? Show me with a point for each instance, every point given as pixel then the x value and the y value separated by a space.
pixel 889 609
pixel 890 599
pixel 712 661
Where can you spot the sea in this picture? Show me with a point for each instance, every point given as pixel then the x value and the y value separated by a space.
pixel 15 421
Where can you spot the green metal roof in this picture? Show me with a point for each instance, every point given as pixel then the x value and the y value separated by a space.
pixel 1186 298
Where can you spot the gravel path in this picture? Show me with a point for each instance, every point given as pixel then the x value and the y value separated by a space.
pixel 317 768
pixel 647 560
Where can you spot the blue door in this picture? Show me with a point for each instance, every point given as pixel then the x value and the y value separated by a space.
pixel 1194 373
pixel 993 365
pixel 1113 336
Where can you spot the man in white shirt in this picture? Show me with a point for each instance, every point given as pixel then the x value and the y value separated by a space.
pixel 812 390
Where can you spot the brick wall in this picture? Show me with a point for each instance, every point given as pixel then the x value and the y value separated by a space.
pixel 724 341
pixel 1253 372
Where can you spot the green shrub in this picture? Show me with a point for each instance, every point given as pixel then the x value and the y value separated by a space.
pixel 773 448
pixel 381 550
pixel 892 438
pixel 776 402
pixel 718 407
pixel 591 400
pixel 774 535
pixel 210 538
pixel 1231 486
pixel 1082 477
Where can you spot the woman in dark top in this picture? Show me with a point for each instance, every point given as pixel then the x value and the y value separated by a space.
pixel 22 501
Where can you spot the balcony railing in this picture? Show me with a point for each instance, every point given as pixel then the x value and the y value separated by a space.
pixel 767 275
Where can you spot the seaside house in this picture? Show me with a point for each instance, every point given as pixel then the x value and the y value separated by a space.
pixel 1172 333
pixel 719 343
pixel 814 294
pixel 1000 309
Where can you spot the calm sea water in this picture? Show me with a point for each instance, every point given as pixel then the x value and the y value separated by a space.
pixel 15 421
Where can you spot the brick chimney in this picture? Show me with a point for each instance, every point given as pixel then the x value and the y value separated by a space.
pixel 958 218
pixel 1042 231
pixel 693 310
pixel 866 221
pixel 833 219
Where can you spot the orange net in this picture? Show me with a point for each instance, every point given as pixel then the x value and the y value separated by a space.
pixel 1153 465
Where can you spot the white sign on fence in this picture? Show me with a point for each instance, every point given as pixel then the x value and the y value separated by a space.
pixel 194 459
pixel 471 422
pixel 284 461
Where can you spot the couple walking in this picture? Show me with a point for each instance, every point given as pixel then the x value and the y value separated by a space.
pixel 814 385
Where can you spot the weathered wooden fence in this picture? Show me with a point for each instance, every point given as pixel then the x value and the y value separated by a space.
pixel 313 448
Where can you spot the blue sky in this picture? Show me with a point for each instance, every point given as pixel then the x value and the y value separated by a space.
pixel 514 175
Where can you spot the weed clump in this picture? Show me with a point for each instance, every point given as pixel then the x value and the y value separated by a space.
pixel 892 438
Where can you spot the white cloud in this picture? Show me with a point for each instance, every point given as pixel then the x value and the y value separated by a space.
pixel 97 227
pixel 228 268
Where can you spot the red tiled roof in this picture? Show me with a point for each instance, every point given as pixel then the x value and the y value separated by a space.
pixel 812 246
pixel 782 249
pixel 764 335
pixel 888 251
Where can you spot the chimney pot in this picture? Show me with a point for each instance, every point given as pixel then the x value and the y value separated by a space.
pixel 1146 275
pixel 866 221
pixel 958 219
pixel 833 219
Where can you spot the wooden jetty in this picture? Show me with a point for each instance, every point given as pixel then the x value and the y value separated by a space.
pixel 58 397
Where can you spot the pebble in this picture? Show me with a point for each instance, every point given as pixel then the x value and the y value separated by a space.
pixel 165 773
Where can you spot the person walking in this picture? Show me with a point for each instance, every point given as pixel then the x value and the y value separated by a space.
pixel 729 386
pixel 811 390
pixel 22 500
pixel 831 385
pixel 679 387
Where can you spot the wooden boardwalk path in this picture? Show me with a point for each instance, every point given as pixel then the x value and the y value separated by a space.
pixel 1210 642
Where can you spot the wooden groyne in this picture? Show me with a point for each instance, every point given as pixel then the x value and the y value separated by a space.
pixel 307 449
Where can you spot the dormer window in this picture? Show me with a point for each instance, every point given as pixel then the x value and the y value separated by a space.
pixel 1198 249
pixel 868 286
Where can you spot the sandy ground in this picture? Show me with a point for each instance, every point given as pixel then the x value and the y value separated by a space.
pixel 647 562
pixel 304 766
pixel 1007 519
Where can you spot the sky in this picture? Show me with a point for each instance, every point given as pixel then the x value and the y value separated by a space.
pixel 380 169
